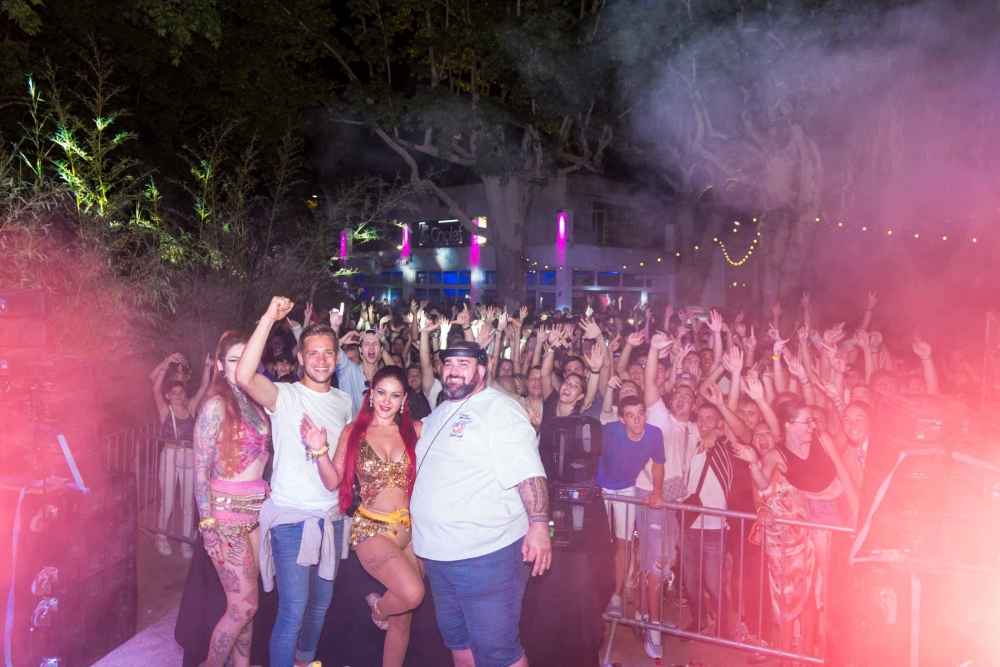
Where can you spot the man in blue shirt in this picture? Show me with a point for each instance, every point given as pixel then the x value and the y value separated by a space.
pixel 626 447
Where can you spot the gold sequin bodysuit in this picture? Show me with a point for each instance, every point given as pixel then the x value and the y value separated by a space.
pixel 376 474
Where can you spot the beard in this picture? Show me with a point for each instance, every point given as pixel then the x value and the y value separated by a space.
pixel 462 390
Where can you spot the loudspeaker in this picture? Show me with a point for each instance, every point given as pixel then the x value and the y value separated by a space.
pixel 923 501
pixel 894 618
pixel 570 449
pixel 74 570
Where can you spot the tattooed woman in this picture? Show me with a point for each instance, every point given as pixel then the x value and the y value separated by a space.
pixel 231 442
pixel 379 450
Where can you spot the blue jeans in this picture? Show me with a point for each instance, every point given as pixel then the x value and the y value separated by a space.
pixel 478 604
pixel 702 559
pixel 303 597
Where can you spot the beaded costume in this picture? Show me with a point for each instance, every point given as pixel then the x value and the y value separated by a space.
pixel 376 475
pixel 236 505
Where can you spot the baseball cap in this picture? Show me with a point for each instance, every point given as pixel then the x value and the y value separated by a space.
pixel 687 380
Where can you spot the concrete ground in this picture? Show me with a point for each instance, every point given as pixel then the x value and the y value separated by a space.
pixel 161 582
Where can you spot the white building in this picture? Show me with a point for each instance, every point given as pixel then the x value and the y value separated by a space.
pixel 586 235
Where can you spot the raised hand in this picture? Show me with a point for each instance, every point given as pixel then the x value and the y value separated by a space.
pixel 862 337
pixel 462 318
pixel 752 340
pixel 740 329
pixel 485 334
pixel 779 345
pixel 921 347
pixel 636 338
pixel 522 313
pixel 715 321
pixel 278 308
pixel 753 387
pixel 834 334
pixel 803 334
pixel 591 329
pixel 772 333
pixel 595 360
pixel 740 316
pixel 732 360
pixel 796 368
pixel 615 382
pixel 776 309
pixel 313 437
pixel 307 316
pixel 872 300
pixel 711 392
pixel 502 320
pixel 805 301
pixel 661 342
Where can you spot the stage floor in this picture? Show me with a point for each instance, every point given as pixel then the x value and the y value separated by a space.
pixel 161 581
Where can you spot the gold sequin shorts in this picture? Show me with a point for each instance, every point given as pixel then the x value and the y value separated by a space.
pixel 368 523
pixel 236 506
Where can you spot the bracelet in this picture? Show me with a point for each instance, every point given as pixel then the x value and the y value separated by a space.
pixel 466 328
pixel 316 453
pixel 206 524
pixel 775 358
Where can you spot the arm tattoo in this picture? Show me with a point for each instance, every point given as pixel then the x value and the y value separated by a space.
pixel 206 437
pixel 535 497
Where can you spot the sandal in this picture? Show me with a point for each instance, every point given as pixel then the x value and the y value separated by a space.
pixel 372 601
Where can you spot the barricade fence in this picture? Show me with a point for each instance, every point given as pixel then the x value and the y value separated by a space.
pixel 164 473
pixel 736 590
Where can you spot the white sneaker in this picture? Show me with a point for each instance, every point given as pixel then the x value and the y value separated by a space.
pixel 652 645
pixel 186 550
pixel 163 546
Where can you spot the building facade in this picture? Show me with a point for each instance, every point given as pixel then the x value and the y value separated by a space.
pixel 587 235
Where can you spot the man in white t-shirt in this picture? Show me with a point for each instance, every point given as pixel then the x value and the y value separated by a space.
pixel 301 527
pixel 480 509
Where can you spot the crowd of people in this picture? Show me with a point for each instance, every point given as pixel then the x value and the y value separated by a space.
pixel 419 424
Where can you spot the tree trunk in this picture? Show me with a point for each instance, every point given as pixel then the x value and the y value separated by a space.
pixel 507 203
pixel 695 265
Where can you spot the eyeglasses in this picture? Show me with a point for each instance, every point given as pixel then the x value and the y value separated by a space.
pixel 808 421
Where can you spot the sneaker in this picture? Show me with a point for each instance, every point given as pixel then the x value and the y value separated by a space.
pixel 614 607
pixel 163 546
pixel 639 632
pixel 186 550
pixel 652 644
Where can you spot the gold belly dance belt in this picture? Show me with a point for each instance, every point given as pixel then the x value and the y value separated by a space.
pixel 236 506
pixel 368 523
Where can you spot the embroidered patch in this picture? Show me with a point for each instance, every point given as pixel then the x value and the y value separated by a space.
pixel 459 426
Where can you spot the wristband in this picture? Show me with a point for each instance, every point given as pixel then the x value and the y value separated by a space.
pixel 775 358
pixel 206 524
pixel 316 453
pixel 466 328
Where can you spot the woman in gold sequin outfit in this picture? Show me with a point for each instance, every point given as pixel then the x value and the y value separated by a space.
pixel 232 440
pixel 379 451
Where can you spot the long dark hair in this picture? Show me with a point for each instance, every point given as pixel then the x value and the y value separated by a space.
pixel 229 450
pixel 360 428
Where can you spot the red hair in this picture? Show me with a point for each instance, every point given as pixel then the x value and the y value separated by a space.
pixel 229 445
pixel 360 427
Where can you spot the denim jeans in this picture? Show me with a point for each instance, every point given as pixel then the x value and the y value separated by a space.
pixel 303 596
pixel 478 603
pixel 702 557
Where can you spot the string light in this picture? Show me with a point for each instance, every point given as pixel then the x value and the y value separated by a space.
pixel 745 258
pixel 916 236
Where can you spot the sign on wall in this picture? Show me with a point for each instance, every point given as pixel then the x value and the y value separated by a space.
pixel 442 234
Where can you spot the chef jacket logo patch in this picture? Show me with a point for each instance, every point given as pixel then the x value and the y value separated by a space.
pixel 459 426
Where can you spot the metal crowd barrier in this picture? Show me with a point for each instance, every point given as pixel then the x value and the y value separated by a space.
pixel 164 474
pixel 680 624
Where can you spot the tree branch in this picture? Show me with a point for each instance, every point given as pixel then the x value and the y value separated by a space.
pixel 429 185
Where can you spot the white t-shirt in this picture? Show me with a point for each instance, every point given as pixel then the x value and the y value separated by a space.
pixel 470 459
pixel 295 481
pixel 680 441
pixel 432 397
pixel 712 492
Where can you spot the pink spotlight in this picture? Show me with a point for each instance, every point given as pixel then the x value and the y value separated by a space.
pixel 561 240
pixel 562 227
pixel 406 242
pixel 474 263
pixel 343 246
